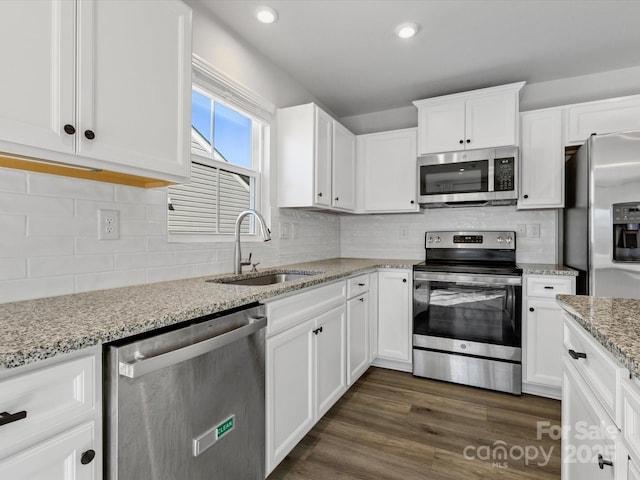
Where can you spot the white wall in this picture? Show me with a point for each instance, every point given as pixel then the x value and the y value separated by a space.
pixel 377 236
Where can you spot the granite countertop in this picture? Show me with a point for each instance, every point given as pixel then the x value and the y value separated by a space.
pixel 546 269
pixel 38 329
pixel 613 322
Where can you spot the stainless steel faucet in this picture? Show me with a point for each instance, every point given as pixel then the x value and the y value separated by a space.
pixel 237 254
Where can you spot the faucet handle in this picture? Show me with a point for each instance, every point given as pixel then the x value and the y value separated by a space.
pixel 247 261
pixel 253 267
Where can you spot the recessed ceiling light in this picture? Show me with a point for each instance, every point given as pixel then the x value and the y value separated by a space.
pixel 266 14
pixel 406 30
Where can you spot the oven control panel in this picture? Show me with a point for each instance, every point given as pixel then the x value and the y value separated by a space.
pixel 485 240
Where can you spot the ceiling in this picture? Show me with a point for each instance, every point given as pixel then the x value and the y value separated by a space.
pixel 346 54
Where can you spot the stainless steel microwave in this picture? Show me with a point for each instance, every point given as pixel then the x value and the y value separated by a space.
pixel 471 177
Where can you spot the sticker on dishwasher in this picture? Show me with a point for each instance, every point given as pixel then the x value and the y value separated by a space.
pixel 225 427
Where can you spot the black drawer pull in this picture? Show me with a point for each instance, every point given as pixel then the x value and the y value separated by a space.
pixel 602 462
pixel 6 417
pixel 361 284
pixel 361 299
pixel 87 457
pixel 577 355
pixel 548 287
pixel 318 330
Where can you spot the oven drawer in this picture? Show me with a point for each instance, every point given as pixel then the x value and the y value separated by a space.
pixel 548 286
pixel 598 368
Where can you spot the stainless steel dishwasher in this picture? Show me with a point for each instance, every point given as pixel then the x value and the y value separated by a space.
pixel 188 403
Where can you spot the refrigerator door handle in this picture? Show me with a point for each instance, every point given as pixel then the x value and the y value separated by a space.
pixel 141 367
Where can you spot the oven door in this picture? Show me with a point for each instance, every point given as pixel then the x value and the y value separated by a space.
pixel 469 314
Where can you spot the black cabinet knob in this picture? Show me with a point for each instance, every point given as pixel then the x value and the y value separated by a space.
pixel 413 202
pixel 337 199
pixel 320 194
pixel 87 457
pixel 461 142
pixel 525 196
pixel 404 280
pixel 89 134
pixel 69 129
pixel 531 309
pixel 468 140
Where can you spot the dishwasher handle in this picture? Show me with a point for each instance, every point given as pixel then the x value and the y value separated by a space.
pixel 144 366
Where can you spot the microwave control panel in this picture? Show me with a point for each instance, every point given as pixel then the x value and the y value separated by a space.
pixel 504 174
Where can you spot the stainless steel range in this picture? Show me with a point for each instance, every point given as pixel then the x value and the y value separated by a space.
pixel 467 310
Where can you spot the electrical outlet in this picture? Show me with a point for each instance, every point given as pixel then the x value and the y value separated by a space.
pixel 533 230
pixel 108 224
pixel 522 229
pixel 284 230
pixel 404 232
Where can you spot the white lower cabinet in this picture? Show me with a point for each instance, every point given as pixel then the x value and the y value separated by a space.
pixel 394 319
pixel 589 434
pixel 357 337
pixel 58 458
pixel 542 333
pixel 633 471
pixel 56 432
pixel 306 364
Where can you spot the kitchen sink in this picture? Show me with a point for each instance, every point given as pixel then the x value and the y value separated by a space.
pixel 266 279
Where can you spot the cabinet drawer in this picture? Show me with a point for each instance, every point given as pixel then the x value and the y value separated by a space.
pixel 598 368
pixel 287 312
pixel 357 285
pixel 53 398
pixel 549 287
pixel 631 415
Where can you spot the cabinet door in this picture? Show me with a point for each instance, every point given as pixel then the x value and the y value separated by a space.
pixel 388 171
pixel 330 359
pixel 134 90
pixel 605 116
pixel 393 315
pixel 323 152
pixel 290 390
pixel 357 337
pixel 587 432
pixel 57 458
pixel 491 121
pixel 343 168
pixel 543 344
pixel 542 160
pixel 634 471
pixel 441 127
pixel 37 48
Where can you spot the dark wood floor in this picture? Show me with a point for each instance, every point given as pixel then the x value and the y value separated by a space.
pixel 391 425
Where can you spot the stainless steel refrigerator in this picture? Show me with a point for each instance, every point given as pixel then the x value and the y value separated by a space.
pixel 601 219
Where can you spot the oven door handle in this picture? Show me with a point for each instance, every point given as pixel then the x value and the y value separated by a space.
pixel 468 278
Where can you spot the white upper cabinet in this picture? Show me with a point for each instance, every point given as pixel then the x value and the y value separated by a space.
pixel 98 84
pixel 387 179
pixel 476 119
pixel 542 160
pixel 603 116
pixel 316 160
pixel 343 168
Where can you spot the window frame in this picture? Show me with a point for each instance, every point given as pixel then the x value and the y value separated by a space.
pixel 223 90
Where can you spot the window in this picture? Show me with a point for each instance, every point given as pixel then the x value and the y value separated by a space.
pixel 226 160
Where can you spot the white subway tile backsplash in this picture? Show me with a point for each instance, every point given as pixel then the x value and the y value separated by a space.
pixel 195 257
pixel 93 246
pixel 157 213
pixel 25 204
pixel 69 265
pixel 128 211
pixel 61 226
pixel 30 288
pixel 153 196
pixel 175 272
pixel 100 281
pixel 13 225
pixel 11 246
pixel 13 180
pixel 125 261
pixel 42 184
pixel 13 268
pixel 142 228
